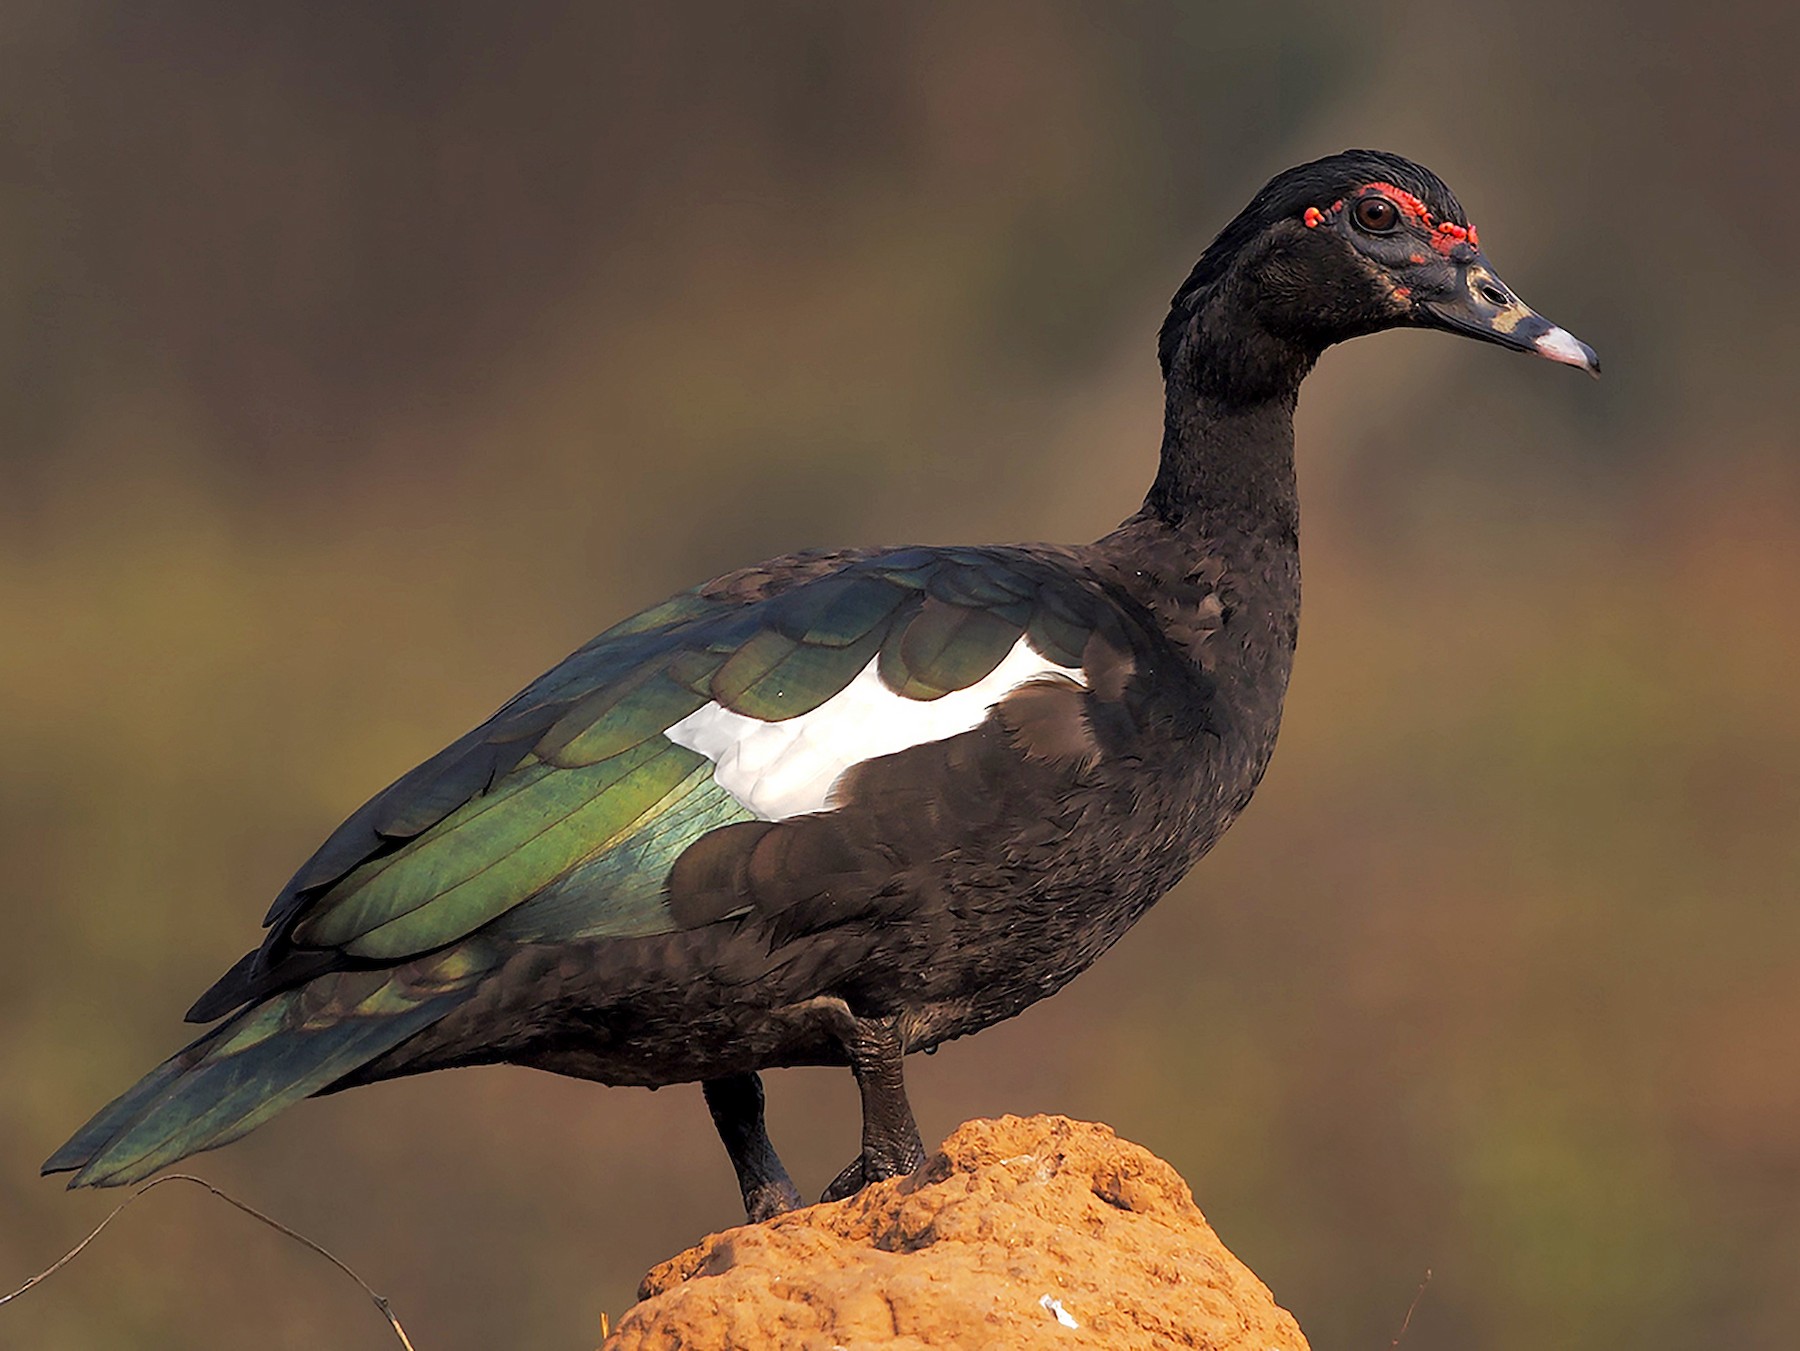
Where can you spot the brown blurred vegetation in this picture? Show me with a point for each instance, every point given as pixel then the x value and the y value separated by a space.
pixel 361 360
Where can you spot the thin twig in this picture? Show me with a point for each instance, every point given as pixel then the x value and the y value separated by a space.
pixel 1406 1322
pixel 250 1210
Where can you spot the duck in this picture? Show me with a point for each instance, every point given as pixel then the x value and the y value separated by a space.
pixel 845 805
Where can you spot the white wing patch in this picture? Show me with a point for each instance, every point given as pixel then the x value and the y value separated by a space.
pixel 783 769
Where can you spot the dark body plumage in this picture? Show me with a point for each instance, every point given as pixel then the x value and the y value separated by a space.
pixel 599 881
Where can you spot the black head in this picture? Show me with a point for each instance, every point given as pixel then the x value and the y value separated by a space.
pixel 1347 245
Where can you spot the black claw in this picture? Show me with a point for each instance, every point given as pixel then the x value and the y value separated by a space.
pixel 847 1183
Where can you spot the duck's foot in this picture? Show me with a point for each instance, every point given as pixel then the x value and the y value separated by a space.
pixel 847 1183
pixel 858 1173
pixel 891 1143
pixel 736 1103
pixel 769 1200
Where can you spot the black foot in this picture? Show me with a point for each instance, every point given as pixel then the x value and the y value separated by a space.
pixel 769 1200
pixel 858 1174
pixel 890 1146
pixel 736 1104
pixel 847 1183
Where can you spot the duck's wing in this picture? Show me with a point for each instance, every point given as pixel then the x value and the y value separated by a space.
pixel 744 699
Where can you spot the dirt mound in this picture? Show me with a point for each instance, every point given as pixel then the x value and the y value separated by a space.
pixel 1023 1232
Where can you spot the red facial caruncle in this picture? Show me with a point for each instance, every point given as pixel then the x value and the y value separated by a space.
pixel 1445 235
pixel 1314 217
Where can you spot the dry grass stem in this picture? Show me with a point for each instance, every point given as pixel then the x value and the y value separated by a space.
pixel 380 1301
pixel 1412 1308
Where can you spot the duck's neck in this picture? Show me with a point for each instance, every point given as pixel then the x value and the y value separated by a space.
pixel 1227 466
pixel 1227 471
pixel 1218 536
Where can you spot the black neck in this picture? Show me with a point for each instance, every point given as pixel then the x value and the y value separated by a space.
pixel 1227 471
pixel 1228 428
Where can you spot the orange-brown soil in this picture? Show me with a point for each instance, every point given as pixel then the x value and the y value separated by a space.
pixel 1024 1232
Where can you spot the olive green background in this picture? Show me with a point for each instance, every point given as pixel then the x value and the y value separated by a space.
pixel 358 361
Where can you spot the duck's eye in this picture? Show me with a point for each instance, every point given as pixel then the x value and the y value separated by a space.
pixel 1377 214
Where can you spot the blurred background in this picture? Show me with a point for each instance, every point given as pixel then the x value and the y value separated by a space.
pixel 358 361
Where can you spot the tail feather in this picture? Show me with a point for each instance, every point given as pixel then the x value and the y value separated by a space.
pixel 235 1077
pixel 101 1127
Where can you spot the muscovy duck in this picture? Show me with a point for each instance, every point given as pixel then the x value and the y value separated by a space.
pixel 841 806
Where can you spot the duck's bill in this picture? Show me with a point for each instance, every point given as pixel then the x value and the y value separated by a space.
pixel 1486 308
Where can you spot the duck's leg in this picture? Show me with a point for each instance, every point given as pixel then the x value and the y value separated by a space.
pixel 736 1104
pixel 890 1137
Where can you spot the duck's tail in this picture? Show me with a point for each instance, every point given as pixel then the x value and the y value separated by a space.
pixel 229 1081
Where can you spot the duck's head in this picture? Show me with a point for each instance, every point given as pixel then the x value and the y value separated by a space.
pixel 1347 245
